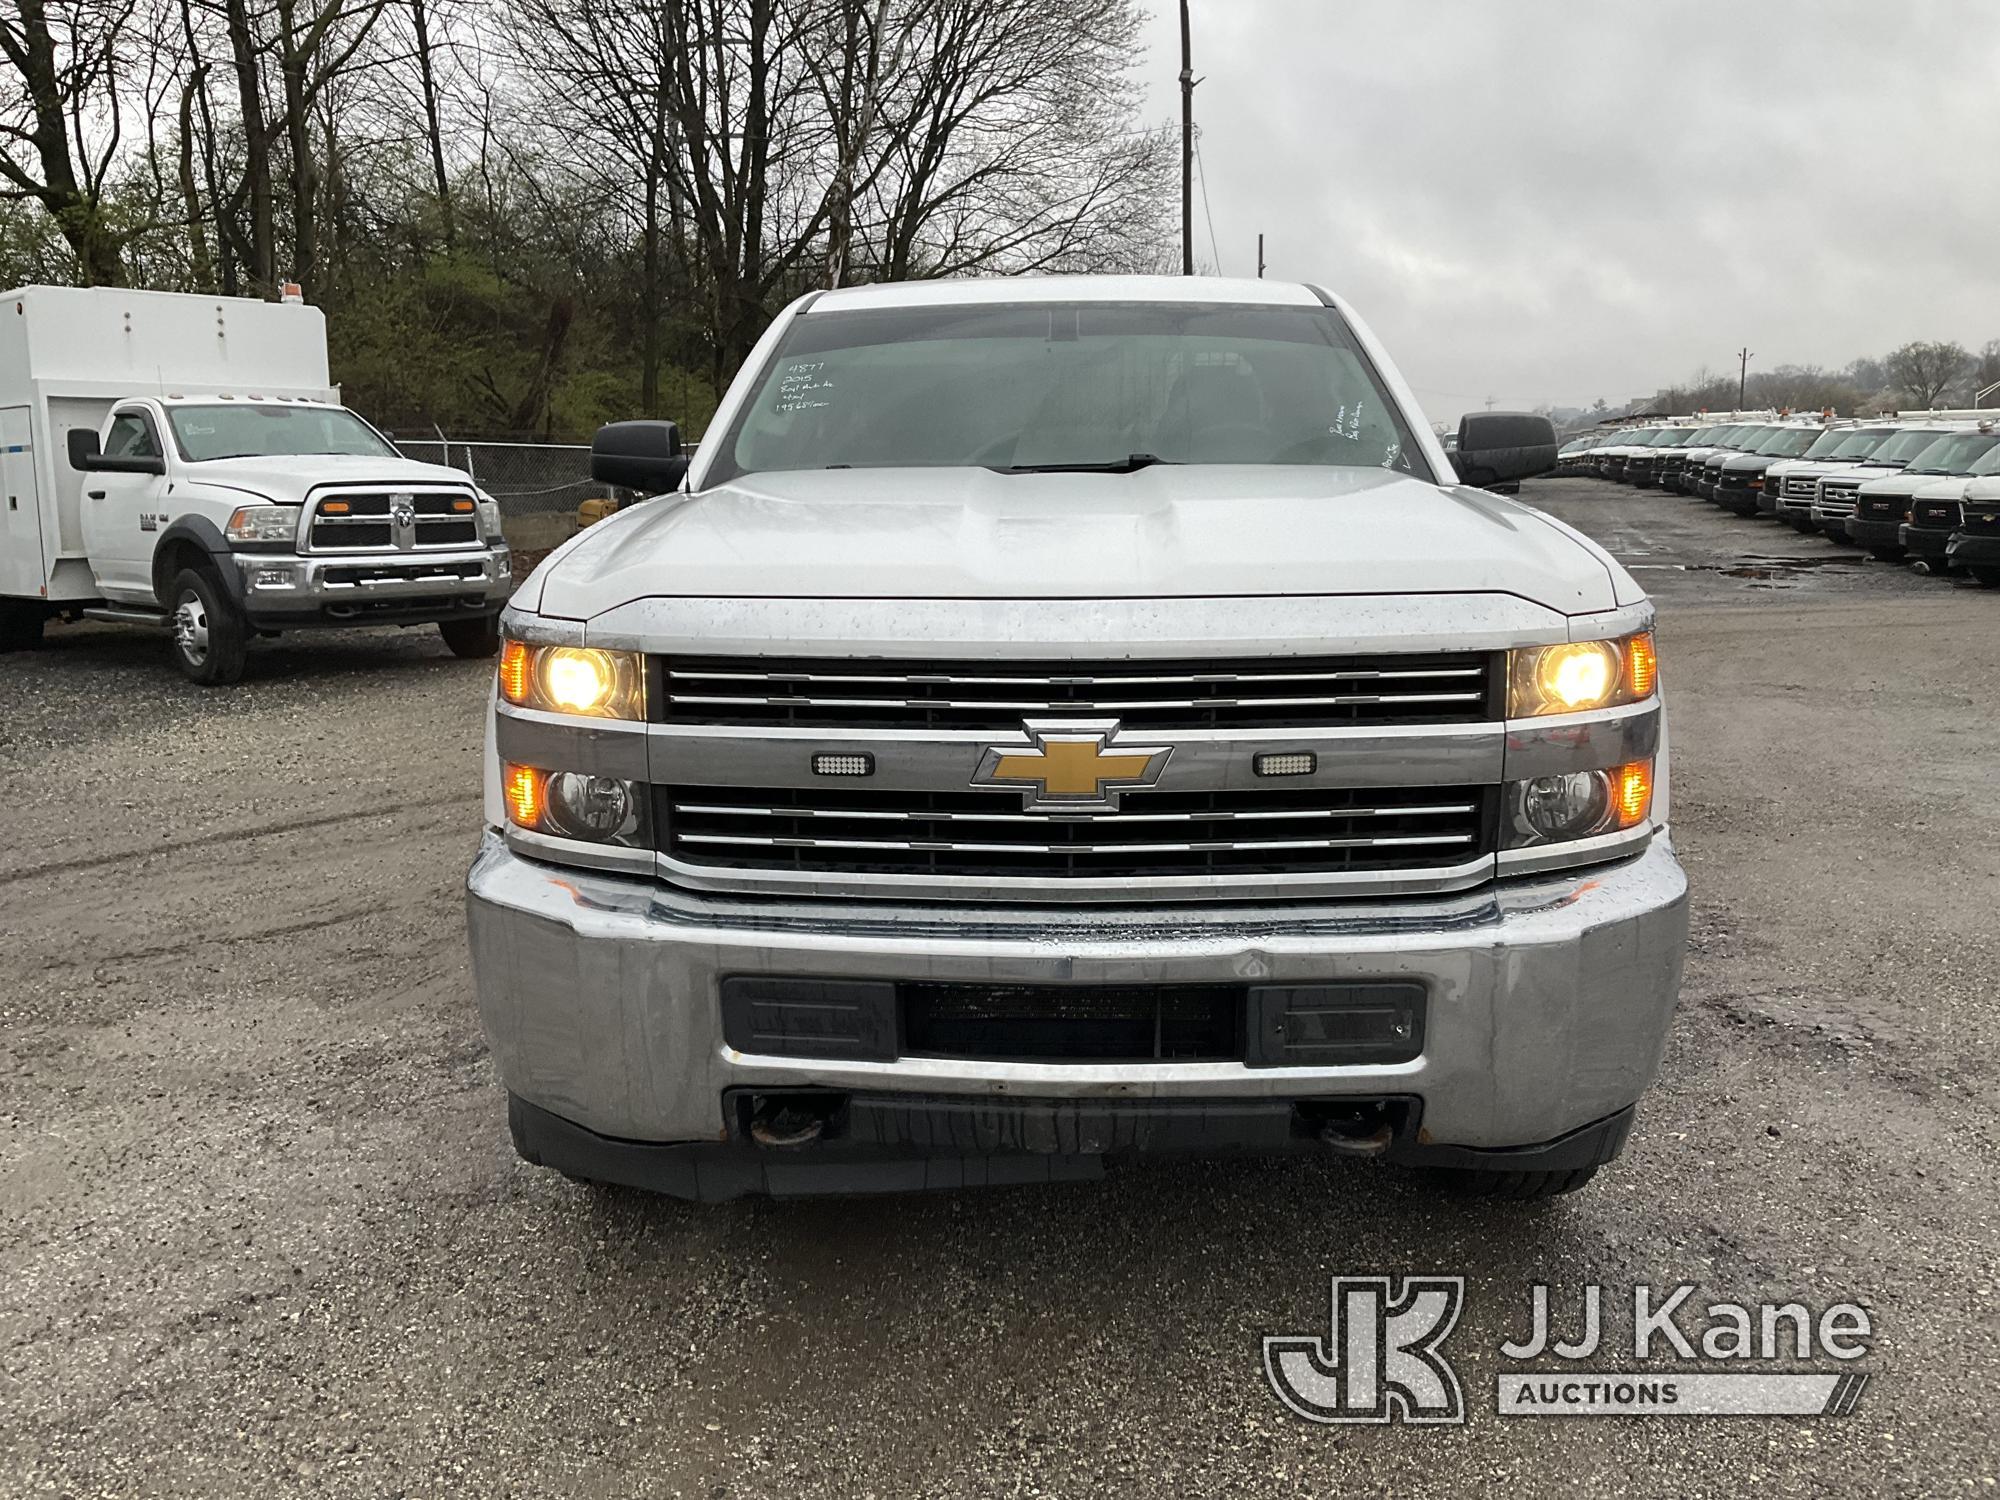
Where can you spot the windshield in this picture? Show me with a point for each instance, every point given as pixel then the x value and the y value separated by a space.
pixel 1047 386
pixel 1698 438
pixel 1953 455
pixel 1904 446
pixel 1861 444
pixel 260 431
pixel 1829 443
pixel 1787 442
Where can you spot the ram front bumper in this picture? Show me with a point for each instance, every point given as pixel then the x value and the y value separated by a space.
pixel 286 591
pixel 1546 1007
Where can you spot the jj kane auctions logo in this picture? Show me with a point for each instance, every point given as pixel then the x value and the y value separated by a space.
pixel 1382 1358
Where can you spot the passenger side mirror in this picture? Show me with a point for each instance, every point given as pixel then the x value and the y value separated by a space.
pixel 639 456
pixel 83 447
pixel 1498 449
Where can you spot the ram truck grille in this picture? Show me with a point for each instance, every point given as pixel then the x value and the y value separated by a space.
pixel 1433 688
pixel 1249 832
pixel 372 521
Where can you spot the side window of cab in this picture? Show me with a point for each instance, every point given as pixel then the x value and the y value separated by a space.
pixel 132 436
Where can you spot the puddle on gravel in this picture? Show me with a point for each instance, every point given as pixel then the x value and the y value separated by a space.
pixel 1762 569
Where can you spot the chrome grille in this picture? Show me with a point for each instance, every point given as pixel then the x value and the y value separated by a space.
pixel 1799 487
pixel 1431 688
pixel 369 522
pixel 1152 834
pixel 1982 518
pixel 1837 499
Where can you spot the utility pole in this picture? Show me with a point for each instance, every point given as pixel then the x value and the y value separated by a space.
pixel 1187 147
pixel 1260 257
pixel 1743 378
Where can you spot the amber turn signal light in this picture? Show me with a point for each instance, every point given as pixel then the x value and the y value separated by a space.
pixel 523 787
pixel 1642 666
pixel 1632 793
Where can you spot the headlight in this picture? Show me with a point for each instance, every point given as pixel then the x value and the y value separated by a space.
pixel 489 518
pixel 574 680
pixel 263 523
pixel 1578 805
pixel 1582 675
pixel 576 805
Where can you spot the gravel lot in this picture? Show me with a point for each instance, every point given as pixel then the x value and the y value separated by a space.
pixel 264 1234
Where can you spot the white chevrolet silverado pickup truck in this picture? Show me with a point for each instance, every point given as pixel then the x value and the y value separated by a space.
pixel 1059 719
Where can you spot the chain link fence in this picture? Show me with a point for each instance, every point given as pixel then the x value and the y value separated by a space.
pixel 528 479
pixel 539 486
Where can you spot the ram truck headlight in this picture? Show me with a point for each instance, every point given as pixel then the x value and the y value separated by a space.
pixel 263 524
pixel 1582 675
pixel 489 517
pixel 580 680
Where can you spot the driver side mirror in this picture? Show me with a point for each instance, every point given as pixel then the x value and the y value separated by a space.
pixel 88 457
pixel 643 456
pixel 1498 449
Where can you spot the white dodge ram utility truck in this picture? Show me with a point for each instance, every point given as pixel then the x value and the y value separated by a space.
pixel 183 461
pixel 1054 719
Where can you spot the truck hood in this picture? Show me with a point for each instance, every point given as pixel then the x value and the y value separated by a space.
pixel 288 479
pixel 1168 531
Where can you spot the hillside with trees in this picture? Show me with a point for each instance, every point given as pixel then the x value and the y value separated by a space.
pixel 529 216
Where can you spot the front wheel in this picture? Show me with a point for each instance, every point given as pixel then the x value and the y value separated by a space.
pixel 471 639
pixel 208 636
pixel 1514 1187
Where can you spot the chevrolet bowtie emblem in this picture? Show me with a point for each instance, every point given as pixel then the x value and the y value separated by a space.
pixel 1071 767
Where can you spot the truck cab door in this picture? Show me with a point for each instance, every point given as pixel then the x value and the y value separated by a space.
pixel 121 512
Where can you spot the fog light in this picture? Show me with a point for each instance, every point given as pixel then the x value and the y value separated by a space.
pixel 598 808
pixel 274 578
pixel 1566 807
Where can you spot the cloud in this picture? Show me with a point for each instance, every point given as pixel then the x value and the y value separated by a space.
pixel 1552 200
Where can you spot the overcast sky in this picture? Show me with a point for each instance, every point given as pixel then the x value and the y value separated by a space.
pixel 1555 200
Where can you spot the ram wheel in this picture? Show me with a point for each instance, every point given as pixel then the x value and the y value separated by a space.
pixel 208 636
pixel 472 639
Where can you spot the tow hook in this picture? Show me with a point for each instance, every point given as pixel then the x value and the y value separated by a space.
pixel 790 1120
pixel 1363 1131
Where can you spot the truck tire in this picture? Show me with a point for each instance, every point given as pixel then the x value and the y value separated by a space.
pixel 207 638
pixel 20 625
pixel 1515 1187
pixel 472 639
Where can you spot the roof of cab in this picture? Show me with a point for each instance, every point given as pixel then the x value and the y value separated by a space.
pixel 989 290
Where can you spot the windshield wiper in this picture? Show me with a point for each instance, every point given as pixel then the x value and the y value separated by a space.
pixel 1130 464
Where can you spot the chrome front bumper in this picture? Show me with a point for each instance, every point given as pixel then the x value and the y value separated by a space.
pixel 283 583
pixel 1549 997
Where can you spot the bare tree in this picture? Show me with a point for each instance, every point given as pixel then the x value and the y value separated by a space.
pixel 62 121
pixel 1925 371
